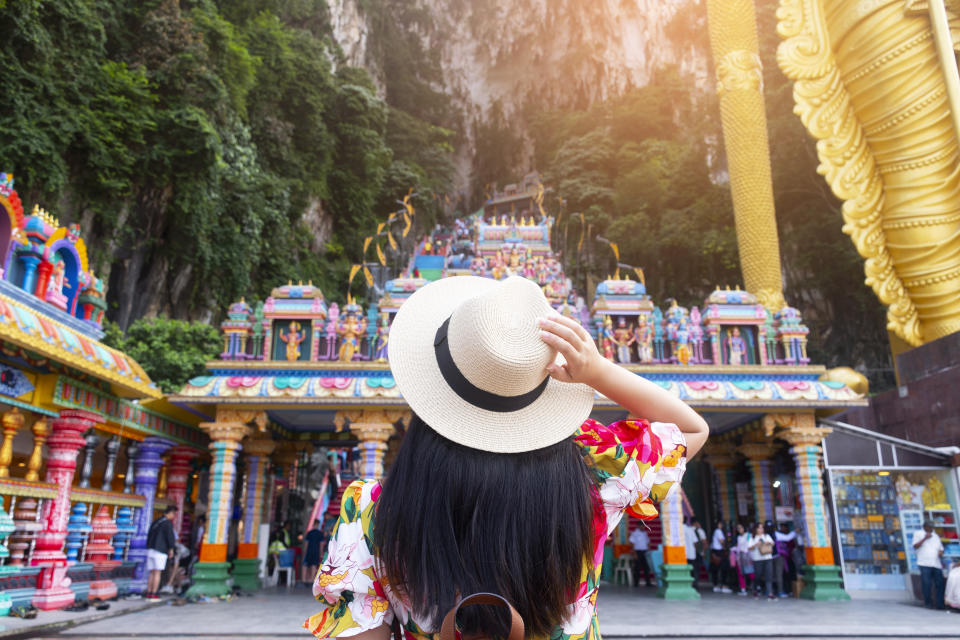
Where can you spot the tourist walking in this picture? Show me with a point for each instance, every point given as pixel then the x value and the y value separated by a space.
pixel 311 558
pixel 502 484
pixel 161 542
pixel 744 561
pixel 761 548
pixel 786 542
pixel 640 540
pixel 719 560
pixel 929 548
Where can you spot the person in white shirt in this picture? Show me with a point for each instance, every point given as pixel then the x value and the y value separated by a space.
pixel 929 549
pixel 640 540
pixel 719 560
pixel 761 549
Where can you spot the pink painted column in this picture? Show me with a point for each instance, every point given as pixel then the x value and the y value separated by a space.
pixel 178 471
pixel 53 590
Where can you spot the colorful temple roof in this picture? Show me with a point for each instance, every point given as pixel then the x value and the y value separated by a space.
pixel 297 354
pixel 52 304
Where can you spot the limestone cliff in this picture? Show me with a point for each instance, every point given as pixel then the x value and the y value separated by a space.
pixel 514 56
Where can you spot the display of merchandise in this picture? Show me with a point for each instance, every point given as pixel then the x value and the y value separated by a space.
pixel 868 523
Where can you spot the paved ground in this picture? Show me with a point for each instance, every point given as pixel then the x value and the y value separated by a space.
pixel 623 614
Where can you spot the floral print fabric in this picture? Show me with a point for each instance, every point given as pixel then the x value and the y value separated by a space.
pixel 635 464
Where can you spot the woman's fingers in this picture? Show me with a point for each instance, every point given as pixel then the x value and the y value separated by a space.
pixel 561 330
pixel 572 324
pixel 569 352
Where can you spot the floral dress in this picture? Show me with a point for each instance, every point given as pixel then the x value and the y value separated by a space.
pixel 635 463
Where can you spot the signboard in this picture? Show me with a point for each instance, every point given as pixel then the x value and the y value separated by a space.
pixel 911 521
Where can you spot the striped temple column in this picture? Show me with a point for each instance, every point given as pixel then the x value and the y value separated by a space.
pixel 146 472
pixel 676 583
pixel 821 576
pixel 211 572
pixel 246 568
pixel 178 474
pixel 373 428
pixel 720 456
pixel 53 586
pixel 758 456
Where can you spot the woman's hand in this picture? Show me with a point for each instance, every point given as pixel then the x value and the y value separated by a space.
pixel 632 392
pixel 583 362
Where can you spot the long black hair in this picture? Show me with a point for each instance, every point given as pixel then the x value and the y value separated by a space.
pixel 452 521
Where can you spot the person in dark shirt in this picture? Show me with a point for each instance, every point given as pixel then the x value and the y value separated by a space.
pixel 311 561
pixel 161 542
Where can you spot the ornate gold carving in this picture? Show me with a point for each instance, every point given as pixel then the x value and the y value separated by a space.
pixel 232 431
pixel 259 447
pixel 876 106
pixel 40 430
pixel 739 70
pixel 733 39
pixel 245 416
pixel 795 428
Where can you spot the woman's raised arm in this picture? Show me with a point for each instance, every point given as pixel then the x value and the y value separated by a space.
pixel 635 394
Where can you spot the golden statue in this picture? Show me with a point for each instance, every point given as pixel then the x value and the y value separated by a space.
pixel 293 338
pixel 350 331
pixel 876 85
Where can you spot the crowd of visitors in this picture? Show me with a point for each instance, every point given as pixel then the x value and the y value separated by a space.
pixel 759 560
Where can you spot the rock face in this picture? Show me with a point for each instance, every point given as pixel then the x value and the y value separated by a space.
pixel 520 54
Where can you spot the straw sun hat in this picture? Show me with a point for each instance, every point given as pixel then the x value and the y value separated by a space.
pixel 467 356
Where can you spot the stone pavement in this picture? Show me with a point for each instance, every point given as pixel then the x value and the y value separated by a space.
pixel 624 613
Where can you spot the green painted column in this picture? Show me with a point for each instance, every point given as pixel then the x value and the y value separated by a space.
pixel 675 573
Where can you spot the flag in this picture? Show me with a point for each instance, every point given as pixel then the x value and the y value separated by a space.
pixel 380 227
pixel 380 256
pixel 616 251
pixel 406 222
pixel 391 217
pixel 393 243
pixel 353 272
pixel 366 244
pixel 368 276
pixel 640 276
pixel 582 229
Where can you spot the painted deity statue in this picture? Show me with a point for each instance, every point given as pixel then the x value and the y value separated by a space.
pixel 498 268
pixel 542 271
pixel 529 270
pixel 607 339
pixel 514 261
pixel 383 338
pixel 293 338
pixel 350 331
pixel 623 336
pixel 643 336
pixel 682 351
pixel 736 346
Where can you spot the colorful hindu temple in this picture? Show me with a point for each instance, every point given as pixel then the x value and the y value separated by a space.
pixel 301 374
pixel 90 449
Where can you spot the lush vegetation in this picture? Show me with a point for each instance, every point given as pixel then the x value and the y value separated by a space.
pixel 170 351
pixel 209 149
pixel 214 148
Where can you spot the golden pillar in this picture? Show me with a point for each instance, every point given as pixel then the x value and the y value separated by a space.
pixel 40 430
pixel 733 39
pixel 12 421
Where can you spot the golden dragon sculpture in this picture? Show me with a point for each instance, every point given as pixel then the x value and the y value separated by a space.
pixel 869 86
